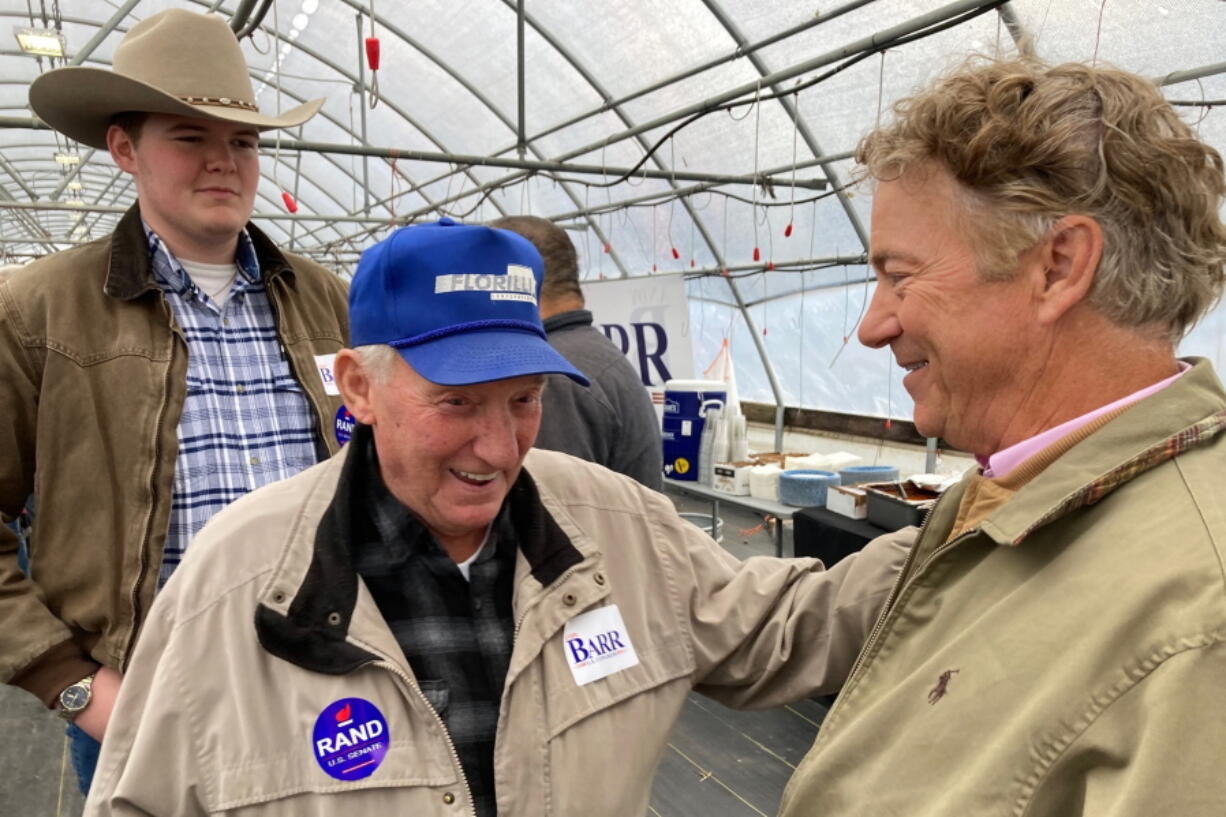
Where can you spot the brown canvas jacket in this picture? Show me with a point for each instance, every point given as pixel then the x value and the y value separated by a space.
pixel 266 624
pixel 93 369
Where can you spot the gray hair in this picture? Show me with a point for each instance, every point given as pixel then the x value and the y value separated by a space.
pixel 378 360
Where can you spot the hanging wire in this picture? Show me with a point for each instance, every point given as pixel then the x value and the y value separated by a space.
pixel 1099 31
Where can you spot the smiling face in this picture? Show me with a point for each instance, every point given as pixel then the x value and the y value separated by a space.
pixel 973 349
pixel 449 453
pixel 196 181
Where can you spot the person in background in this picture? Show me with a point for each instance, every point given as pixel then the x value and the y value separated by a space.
pixel 156 374
pixel 1042 237
pixel 612 422
pixel 442 619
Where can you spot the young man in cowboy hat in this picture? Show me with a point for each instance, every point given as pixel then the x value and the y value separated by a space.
pixel 154 375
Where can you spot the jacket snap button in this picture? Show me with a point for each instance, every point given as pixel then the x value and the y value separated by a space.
pixel 569 599
pixel 334 618
pixel 449 798
pixel 278 597
pixel 600 579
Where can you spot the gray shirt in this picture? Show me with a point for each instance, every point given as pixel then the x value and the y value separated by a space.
pixel 613 422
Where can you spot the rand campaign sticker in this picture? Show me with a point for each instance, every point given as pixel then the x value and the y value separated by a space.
pixel 343 425
pixel 597 645
pixel 350 739
pixel 326 366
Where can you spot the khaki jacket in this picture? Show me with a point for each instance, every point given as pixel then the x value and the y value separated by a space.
pixel 1067 657
pixel 93 369
pixel 265 625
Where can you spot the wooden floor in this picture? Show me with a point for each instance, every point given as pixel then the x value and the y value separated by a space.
pixel 724 763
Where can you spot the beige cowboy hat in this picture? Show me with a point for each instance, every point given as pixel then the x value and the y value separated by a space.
pixel 174 62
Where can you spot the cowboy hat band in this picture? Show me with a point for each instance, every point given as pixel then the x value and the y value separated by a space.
pixel 173 62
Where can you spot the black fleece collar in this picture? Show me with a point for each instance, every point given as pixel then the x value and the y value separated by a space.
pixel 313 632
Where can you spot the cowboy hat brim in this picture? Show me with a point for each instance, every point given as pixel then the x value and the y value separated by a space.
pixel 80 103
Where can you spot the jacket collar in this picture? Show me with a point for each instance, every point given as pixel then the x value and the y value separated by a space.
pixel 565 320
pixel 130 272
pixel 1188 413
pixel 313 630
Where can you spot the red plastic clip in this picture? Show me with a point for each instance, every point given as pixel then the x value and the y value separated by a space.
pixel 608 248
pixel 889 424
pixel 676 254
pixel 692 264
pixel 770 265
pixel 757 254
pixel 653 267
pixel 372 53
pixel 764 330
pixel 787 231
pixel 290 204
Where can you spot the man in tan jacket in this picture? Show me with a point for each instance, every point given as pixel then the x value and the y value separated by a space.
pixel 438 620
pixel 1042 238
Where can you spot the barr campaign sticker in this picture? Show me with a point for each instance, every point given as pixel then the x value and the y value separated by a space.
pixel 597 645
pixel 350 739
pixel 326 366
pixel 344 425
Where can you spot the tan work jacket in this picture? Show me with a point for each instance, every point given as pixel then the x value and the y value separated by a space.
pixel 92 383
pixel 1064 658
pixel 266 625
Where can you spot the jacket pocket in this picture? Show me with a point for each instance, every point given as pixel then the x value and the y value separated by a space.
pixel 568 703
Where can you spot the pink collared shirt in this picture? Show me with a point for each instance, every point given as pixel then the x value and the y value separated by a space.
pixel 1002 462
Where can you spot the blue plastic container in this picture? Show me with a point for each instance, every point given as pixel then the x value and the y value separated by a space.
pixel 685 404
pixel 855 474
pixel 805 487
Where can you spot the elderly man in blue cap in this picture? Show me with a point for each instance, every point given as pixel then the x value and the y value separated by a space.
pixel 440 620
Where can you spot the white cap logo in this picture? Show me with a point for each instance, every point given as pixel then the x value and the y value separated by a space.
pixel 519 284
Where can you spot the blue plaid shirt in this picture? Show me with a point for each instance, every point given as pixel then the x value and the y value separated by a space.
pixel 246 420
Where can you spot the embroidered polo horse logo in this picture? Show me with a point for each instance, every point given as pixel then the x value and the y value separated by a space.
pixel 938 692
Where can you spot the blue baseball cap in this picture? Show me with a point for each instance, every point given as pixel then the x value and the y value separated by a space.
pixel 458 301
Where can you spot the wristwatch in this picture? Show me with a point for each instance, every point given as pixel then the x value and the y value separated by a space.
pixel 75 698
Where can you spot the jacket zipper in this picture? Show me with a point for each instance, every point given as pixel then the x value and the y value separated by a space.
pixel 879 625
pixel 455 756
pixel 316 407
pixel 897 589
pixel 143 564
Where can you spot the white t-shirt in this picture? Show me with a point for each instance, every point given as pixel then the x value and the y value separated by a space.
pixel 215 280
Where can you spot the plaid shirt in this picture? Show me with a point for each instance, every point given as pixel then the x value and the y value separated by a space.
pixel 456 634
pixel 246 420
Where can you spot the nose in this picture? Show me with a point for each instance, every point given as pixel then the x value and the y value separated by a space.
pixel 220 157
pixel 497 441
pixel 880 324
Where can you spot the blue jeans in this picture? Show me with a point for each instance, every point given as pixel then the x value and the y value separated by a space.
pixel 84 752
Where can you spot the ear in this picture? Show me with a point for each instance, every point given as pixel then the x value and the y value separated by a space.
pixel 1068 261
pixel 122 148
pixel 355 385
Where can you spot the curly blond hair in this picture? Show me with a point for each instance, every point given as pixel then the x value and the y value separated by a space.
pixel 1030 143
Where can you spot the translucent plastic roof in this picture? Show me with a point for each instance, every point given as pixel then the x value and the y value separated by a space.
pixel 603 84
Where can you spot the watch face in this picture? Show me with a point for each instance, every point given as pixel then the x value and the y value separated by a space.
pixel 75 697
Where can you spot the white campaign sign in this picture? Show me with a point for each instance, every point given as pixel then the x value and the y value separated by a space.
pixel 597 645
pixel 325 364
pixel 648 318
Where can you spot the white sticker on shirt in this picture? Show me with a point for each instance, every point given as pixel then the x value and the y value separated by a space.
pixel 325 365
pixel 597 645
